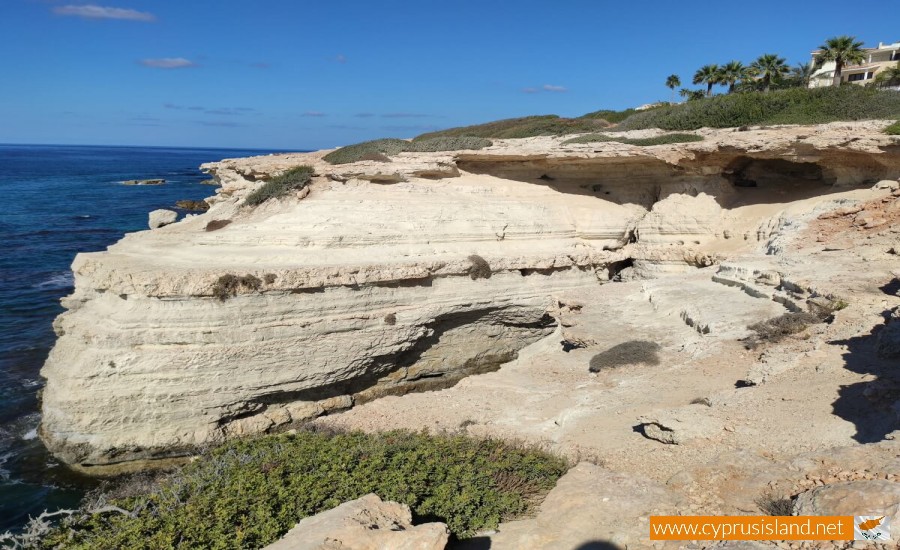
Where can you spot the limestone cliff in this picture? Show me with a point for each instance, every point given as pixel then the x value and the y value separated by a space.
pixel 364 285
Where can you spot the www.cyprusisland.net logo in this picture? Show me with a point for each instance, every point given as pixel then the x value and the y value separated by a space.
pixel 873 528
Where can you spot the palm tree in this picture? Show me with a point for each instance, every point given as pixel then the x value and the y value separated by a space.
pixel 769 68
pixel 731 72
pixel 803 72
pixel 709 75
pixel 691 95
pixel 888 77
pixel 843 50
pixel 671 83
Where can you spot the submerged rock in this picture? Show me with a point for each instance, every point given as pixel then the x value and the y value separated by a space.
pixel 144 182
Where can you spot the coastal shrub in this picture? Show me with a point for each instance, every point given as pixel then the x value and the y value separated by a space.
pixel 248 493
pixel 449 143
pixel 545 125
pixel 479 268
pixel 379 149
pixel 227 285
pixel 356 152
pixel 777 328
pixel 633 352
pixel 642 142
pixel 791 106
pixel 893 129
pixel 293 180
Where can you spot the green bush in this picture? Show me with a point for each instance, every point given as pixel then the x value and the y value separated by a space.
pixel 792 106
pixel 449 143
pixel 643 142
pixel 379 149
pixel 356 152
pixel 292 180
pixel 893 129
pixel 248 493
pixel 615 117
pixel 546 125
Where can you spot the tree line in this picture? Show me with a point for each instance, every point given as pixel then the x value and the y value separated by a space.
pixel 770 71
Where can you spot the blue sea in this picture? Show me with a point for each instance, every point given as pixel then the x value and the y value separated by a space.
pixel 58 201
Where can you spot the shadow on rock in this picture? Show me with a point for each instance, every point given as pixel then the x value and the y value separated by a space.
pixel 873 406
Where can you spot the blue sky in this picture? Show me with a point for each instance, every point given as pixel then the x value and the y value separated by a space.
pixel 288 74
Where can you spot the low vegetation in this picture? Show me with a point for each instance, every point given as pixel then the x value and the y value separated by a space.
pixel 546 125
pixel 642 142
pixel 292 180
pixel 792 106
pixel 248 493
pixel 381 149
pixel 634 352
pixel 228 285
pixel 893 129
pixel 775 505
pixel 479 268
pixel 778 328
pixel 215 225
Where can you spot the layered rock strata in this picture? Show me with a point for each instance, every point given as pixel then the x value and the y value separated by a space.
pixel 246 320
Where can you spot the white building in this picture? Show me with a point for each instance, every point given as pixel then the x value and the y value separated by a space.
pixel 877 59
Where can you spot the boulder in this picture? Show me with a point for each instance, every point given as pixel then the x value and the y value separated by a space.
pixel 678 426
pixel 875 497
pixel 888 340
pixel 887 184
pixel 199 206
pixel 590 507
pixel 367 523
pixel 161 217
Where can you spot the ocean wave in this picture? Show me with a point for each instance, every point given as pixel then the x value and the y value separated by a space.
pixel 60 280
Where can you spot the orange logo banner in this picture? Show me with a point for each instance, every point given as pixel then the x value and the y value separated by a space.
pixel 751 527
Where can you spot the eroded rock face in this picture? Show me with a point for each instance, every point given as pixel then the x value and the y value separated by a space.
pixel 367 523
pixel 363 288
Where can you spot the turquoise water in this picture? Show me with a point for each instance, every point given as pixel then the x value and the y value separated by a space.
pixel 58 201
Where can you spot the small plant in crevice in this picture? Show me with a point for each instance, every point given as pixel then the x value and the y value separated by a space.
pixel 269 278
pixel 775 505
pixel 633 352
pixel 479 268
pixel 390 319
pixel 227 286
pixel 893 129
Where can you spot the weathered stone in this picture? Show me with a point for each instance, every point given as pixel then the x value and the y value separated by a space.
pixel 681 425
pixel 160 218
pixel 367 523
pixel 588 505
pixel 852 498
pixel 888 340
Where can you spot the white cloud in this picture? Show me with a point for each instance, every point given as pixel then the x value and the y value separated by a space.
pixel 91 11
pixel 552 88
pixel 313 114
pixel 168 63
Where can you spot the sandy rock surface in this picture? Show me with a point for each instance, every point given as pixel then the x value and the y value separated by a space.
pixel 367 523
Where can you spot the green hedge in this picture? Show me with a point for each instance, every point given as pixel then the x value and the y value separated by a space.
pixel 248 493
pixel 292 180
pixel 643 142
pixel 392 146
pixel 792 106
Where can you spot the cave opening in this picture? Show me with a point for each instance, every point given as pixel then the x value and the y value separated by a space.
pixel 777 172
